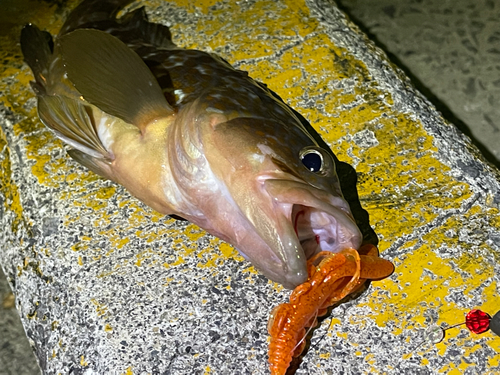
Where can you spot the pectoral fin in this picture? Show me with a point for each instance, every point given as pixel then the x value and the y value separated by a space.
pixel 99 166
pixel 73 122
pixel 112 77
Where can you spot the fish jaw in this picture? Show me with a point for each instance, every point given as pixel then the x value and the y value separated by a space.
pixel 286 223
pixel 273 246
pixel 311 221
pixel 281 212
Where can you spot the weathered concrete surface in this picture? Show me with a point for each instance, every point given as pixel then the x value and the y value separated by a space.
pixel 104 284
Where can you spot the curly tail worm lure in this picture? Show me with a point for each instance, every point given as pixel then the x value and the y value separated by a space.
pixel 332 276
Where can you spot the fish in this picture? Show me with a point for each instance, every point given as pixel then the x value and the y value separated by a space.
pixel 191 137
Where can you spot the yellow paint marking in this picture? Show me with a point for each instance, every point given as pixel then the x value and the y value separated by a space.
pixel 101 308
pixel 229 252
pixel 83 362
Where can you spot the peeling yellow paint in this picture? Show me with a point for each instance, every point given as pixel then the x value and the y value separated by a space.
pixel 495 361
pixel 119 243
pixel 83 362
pixel 342 335
pixel 229 252
pixel 9 190
pixel 129 371
pixel 101 309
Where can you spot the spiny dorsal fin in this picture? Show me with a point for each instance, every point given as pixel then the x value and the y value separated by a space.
pixel 112 77
pixel 146 32
pixel 92 12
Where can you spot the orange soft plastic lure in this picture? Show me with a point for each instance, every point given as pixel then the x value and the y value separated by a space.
pixel 332 276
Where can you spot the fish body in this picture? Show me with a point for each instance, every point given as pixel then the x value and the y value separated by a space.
pixel 190 136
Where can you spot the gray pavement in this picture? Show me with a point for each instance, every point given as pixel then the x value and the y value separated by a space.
pixel 451 50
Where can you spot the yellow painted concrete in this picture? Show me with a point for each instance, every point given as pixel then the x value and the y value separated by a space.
pixel 402 183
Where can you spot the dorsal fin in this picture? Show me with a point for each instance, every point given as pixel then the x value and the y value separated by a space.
pixel 147 32
pixel 90 12
pixel 112 77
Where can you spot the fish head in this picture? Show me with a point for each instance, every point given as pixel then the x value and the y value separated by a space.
pixel 287 196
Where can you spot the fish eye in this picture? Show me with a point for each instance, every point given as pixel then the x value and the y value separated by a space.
pixel 312 160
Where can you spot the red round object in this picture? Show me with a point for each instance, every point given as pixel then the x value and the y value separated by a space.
pixel 477 321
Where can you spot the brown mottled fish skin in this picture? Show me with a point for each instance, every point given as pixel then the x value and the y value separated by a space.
pixel 190 136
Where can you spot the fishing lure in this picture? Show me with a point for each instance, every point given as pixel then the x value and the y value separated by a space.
pixel 332 276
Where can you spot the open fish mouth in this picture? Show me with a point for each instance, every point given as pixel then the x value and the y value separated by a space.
pixel 316 230
pixel 318 221
pixel 325 228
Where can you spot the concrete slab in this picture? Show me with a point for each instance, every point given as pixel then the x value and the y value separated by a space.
pixel 106 285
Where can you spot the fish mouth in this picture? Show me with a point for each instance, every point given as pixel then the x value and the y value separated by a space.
pixel 316 221
pixel 324 229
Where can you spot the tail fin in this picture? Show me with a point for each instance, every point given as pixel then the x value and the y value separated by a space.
pixel 37 47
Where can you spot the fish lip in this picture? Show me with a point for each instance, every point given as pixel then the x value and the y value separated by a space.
pixel 294 197
pixel 293 258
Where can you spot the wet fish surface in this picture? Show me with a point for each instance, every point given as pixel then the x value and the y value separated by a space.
pixel 190 136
